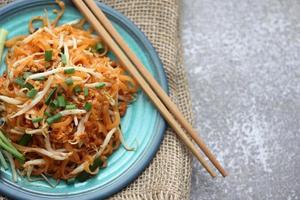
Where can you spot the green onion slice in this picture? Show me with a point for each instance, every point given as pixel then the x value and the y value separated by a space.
pixel 54 118
pixel 99 47
pixel 83 176
pixel 21 82
pixel 25 139
pixel 70 107
pixel 87 106
pixel 48 114
pixel 86 91
pixel 71 181
pixel 50 95
pixel 77 89
pixel 7 145
pixel 61 101
pixel 69 71
pixel 48 55
pixel 64 59
pixel 32 93
pixel 42 78
pixel 54 104
pixel 36 120
pixel 100 85
pixel 69 81
pixel 2 161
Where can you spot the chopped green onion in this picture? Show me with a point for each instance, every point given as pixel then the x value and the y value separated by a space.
pixel 97 163
pixel 52 108
pixel 3 34
pixel 36 120
pixel 69 71
pixel 25 139
pixel 100 85
pixel 64 59
pixel 26 74
pixel 83 176
pixel 69 81
pixel 6 145
pixel 31 94
pixel 99 47
pixel 50 95
pixel 29 86
pixel 61 101
pixel 77 89
pixel 54 118
pixel 2 161
pixel 47 114
pixel 21 82
pixel 5 140
pixel 70 181
pixel 86 91
pixel 42 78
pixel 48 55
pixel 54 104
pixel 87 106
pixel 70 107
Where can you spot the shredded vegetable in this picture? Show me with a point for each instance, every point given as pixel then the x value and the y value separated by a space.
pixel 2 161
pixel 10 100
pixel 12 165
pixel 6 144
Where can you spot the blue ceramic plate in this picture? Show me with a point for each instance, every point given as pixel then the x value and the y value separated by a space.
pixel 142 125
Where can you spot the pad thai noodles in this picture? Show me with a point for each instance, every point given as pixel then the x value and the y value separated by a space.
pixel 61 99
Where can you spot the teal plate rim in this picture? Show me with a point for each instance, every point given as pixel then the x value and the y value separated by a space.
pixel 15 192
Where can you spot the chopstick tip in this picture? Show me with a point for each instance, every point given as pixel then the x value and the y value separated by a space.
pixel 224 174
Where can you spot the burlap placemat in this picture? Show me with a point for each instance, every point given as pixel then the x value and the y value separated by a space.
pixel 169 174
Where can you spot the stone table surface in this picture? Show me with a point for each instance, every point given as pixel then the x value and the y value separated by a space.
pixel 243 63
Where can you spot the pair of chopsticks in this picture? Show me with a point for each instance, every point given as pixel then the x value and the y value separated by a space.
pixel 157 95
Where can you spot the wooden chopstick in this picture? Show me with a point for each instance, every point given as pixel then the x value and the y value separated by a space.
pixel 144 85
pixel 153 83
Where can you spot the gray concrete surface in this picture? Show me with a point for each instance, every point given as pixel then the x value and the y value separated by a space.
pixel 243 64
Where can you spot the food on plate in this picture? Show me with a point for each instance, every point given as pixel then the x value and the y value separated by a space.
pixel 61 99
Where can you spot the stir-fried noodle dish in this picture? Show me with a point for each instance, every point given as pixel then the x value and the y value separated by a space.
pixel 61 99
